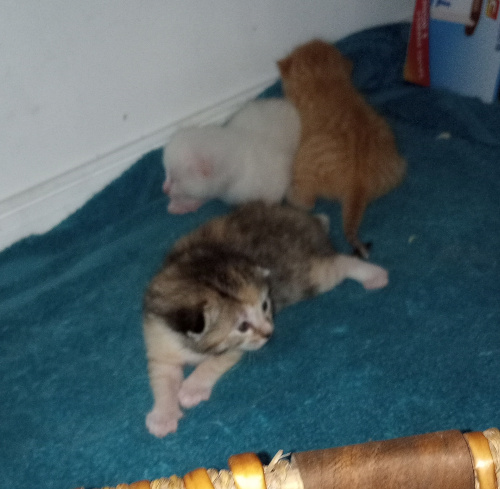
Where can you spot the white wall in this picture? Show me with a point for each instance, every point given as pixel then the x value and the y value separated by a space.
pixel 87 87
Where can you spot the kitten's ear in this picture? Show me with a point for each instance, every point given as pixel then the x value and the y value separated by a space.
pixel 263 272
pixel 187 320
pixel 284 66
pixel 202 166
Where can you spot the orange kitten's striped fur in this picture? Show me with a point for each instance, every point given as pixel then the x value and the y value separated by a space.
pixel 347 151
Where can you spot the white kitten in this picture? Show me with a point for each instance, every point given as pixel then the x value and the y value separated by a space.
pixel 248 159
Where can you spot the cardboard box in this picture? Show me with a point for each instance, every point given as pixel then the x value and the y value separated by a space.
pixel 455 44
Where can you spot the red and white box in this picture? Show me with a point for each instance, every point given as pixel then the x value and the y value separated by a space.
pixel 455 44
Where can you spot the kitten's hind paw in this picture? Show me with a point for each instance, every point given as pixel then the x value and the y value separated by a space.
pixel 377 278
pixel 160 424
pixel 371 276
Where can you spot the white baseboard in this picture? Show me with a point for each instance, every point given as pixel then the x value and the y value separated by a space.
pixel 40 208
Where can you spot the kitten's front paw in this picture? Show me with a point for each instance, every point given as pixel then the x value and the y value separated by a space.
pixel 183 206
pixel 161 424
pixel 377 278
pixel 191 395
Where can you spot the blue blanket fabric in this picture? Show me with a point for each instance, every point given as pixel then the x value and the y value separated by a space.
pixel 421 355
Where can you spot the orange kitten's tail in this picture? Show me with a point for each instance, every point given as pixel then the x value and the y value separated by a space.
pixel 353 208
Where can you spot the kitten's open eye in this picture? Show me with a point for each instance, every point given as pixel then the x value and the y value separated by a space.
pixel 265 305
pixel 244 327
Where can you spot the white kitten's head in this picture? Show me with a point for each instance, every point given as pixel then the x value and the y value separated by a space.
pixel 192 162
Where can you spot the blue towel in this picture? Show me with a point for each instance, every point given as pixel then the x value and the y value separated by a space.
pixel 346 367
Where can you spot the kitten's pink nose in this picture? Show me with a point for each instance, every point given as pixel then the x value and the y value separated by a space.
pixel 266 330
pixel 166 186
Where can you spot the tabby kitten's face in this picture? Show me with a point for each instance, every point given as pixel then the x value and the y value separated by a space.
pixel 243 322
pixel 214 320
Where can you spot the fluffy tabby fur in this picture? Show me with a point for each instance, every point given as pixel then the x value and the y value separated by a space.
pixel 250 158
pixel 215 296
pixel 347 151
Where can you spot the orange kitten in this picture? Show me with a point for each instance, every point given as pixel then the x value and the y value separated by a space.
pixel 347 151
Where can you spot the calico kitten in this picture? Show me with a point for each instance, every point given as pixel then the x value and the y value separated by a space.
pixel 248 159
pixel 216 294
pixel 347 151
